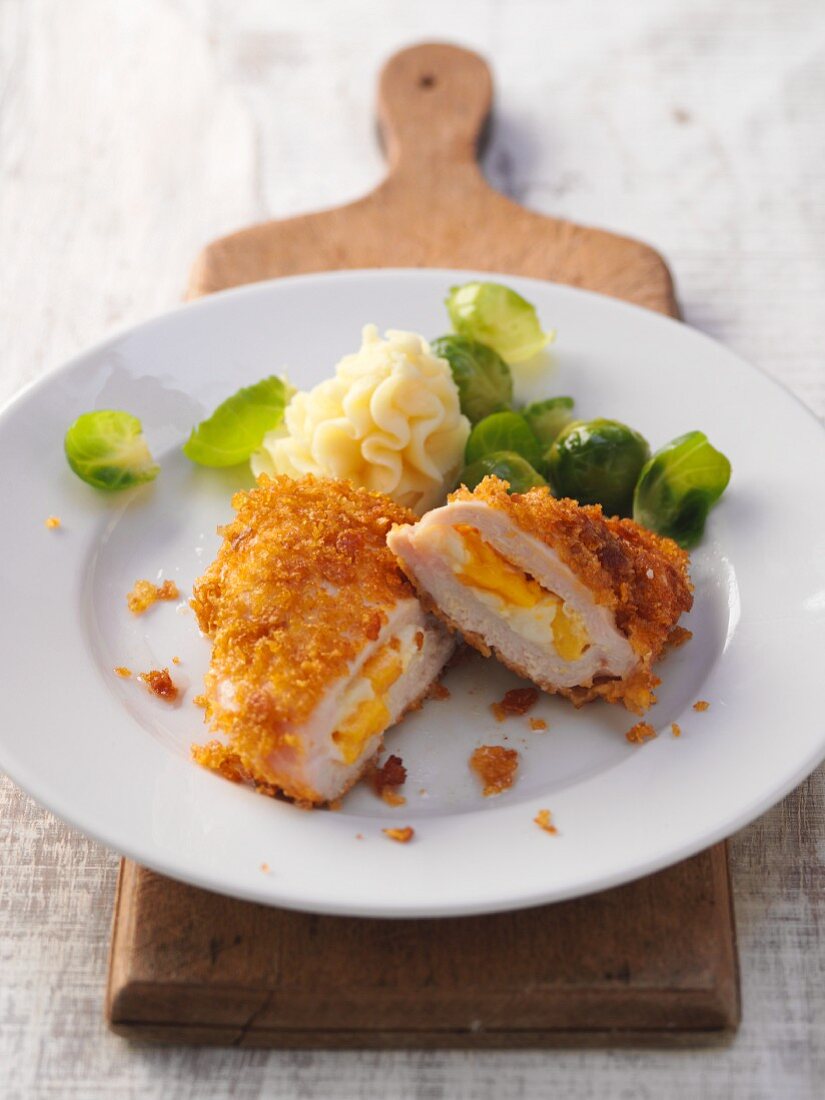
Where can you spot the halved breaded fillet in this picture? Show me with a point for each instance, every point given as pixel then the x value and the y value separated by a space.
pixel 578 603
pixel 319 641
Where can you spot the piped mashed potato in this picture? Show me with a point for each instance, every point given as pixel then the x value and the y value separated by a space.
pixel 389 420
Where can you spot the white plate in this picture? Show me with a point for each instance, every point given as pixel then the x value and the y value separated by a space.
pixel 109 758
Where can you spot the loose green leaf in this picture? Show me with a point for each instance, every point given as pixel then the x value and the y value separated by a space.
pixel 507 465
pixel 107 449
pixel 598 462
pixel 498 317
pixel 483 379
pixel 503 431
pixel 679 486
pixel 238 425
pixel 547 418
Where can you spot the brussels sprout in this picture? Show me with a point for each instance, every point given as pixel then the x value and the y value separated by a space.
pixel 238 425
pixel 547 418
pixel 107 449
pixel 498 317
pixel 484 382
pixel 507 465
pixel 679 486
pixel 503 431
pixel 598 462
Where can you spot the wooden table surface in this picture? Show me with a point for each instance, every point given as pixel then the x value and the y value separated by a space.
pixel 132 133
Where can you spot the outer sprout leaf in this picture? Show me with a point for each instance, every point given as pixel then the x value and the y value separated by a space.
pixel 107 449
pixel 547 418
pixel 507 465
pixel 503 431
pixel 679 486
pixel 483 379
pixel 598 462
pixel 499 317
pixel 238 425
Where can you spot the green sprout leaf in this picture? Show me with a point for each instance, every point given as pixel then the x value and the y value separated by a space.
pixel 483 379
pixel 507 465
pixel 598 462
pixel 107 449
pixel 503 431
pixel 679 486
pixel 547 418
pixel 499 317
pixel 238 425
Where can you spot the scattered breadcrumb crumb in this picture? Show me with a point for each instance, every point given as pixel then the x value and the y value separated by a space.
pixel 144 594
pixel 515 702
pixel 538 724
pixel 641 732
pixel 495 766
pixel 676 729
pixel 265 868
pixel 335 805
pixel 422 791
pixel 392 797
pixel 544 821
pixel 388 778
pixel 53 522
pixel 401 836
pixel 123 672
pixel 176 660
pixel 438 691
pixel 160 683
pixel 701 704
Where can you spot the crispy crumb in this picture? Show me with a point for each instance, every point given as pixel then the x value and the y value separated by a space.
pixel 215 756
pixel 160 683
pixel 641 732
pixel 144 594
pixel 438 691
pixel 538 724
pixel 200 701
pixel 544 821
pixel 53 522
pixel 392 797
pixel 701 704
pixel 495 766
pixel 265 868
pixel 176 660
pixel 401 836
pixel 123 672
pixel 392 773
pixel 515 702
pixel 335 805
pixel 677 637
pixel 676 729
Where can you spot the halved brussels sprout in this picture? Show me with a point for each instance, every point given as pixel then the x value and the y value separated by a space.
pixel 238 425
pixel 483 379
pixel 498 317
pixel 679 486
pixel 547 418
pixel 503 431
pixel 507 465
pixel 107 449
pixel 598 462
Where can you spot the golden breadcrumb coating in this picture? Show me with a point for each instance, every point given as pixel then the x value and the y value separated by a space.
pixel 302 582
pixel 640 576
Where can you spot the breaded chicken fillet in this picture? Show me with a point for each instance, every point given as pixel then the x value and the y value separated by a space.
pixel 320 643
pixel 580 604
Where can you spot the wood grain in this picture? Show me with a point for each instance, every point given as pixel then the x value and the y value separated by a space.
pixel 130 133
pixel 434 208
pixel 654 959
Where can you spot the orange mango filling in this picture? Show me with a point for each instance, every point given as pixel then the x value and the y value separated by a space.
pixel 488 570
pixel 370 716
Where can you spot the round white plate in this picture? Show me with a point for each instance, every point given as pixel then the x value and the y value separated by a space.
pixel 111 759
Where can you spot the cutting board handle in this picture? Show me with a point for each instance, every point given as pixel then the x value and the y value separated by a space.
pixel 434 101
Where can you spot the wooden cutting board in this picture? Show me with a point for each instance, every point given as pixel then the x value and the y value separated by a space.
pixel 651 962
